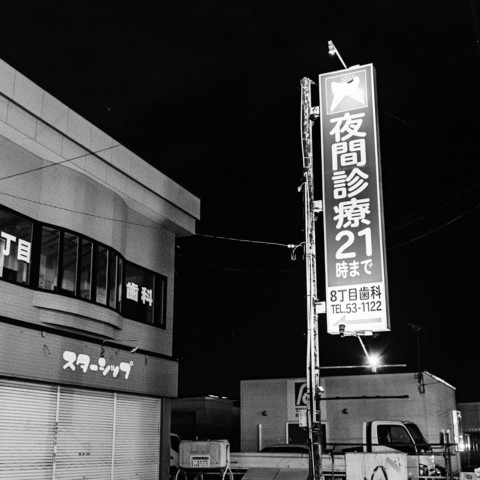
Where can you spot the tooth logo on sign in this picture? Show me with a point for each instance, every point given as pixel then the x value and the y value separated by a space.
pixel 346 92
pixel 346 89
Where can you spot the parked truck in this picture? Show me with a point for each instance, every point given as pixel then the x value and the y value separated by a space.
pixel 377 436
pixel 359 413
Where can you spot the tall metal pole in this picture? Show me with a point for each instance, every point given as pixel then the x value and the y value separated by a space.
pixel 313 363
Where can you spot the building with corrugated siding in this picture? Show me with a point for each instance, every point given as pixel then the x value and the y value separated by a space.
pixel 87 240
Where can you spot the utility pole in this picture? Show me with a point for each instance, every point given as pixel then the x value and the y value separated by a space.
pixel 313 362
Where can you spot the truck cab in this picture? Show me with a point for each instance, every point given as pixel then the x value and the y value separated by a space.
pixel 403 436
pixel 381 436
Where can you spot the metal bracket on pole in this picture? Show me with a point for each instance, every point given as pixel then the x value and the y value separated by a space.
pixel 320 308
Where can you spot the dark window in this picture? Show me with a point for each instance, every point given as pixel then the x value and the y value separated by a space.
pixel 101 283
pixel 299 435
pixel 15 248
pixel 395 436
pixel 384 437
pixel 69 262
pixel 157 316
pixel 119 284
pixel 418 438
pixel 112 279
pixel 86 263
pixel 49 253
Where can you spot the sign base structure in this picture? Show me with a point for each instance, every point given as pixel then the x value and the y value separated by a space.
pixel 376 466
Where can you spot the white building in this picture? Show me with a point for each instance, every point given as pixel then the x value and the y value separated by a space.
pixel 269 408
pixel 87 246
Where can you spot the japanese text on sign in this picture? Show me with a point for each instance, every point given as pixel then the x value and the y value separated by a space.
pixel 83 362
pixel 354 212
pixel 133 290
pixel 353 221
pixel 23 247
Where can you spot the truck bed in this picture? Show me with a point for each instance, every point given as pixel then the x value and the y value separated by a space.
pixel 281 466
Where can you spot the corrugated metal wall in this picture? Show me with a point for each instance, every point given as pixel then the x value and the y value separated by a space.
pixel 59 433
pixel 27 430
pixel 137 440
pixel 85 434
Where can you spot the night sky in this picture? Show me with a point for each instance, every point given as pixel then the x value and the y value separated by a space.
pixel 209 93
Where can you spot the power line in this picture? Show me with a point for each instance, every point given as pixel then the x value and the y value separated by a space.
pixel 57 163
pixel 445 202
pixel 101 217
pixel 287 245
pixel 434 229
pixel 452 198
pixel 216 266
pixel 291 246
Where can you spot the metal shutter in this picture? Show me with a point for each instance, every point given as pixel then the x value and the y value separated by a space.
pixel 85 435
pixel 137 437
pixel 27 430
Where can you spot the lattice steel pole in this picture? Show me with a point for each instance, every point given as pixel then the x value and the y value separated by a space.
pixel 313 363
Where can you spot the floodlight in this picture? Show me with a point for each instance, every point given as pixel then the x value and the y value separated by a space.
pixel 374 361
pixel 332 50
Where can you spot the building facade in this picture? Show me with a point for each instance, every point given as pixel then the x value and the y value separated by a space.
pixel 207 417
pixel 87 240
pixel 471 427
pixel 270 408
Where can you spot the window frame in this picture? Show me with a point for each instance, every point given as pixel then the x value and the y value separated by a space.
pixel 31 265
pixel 159 320
pixel 119 274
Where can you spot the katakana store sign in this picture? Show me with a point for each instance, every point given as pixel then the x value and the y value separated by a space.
pixel 355 269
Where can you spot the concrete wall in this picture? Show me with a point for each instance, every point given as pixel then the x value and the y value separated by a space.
pixel 37 121
pixel 58 168
pixel 213 417
pixel 263 408
pixel 430 410
pixel 70 199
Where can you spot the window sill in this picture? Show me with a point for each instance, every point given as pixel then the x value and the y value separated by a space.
pixel 72 313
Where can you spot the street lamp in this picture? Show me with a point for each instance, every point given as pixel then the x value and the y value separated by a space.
pixel 332 50
pixel 374 362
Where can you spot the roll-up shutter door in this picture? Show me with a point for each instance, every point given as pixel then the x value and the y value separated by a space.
pixel 137 437
pixel 85 435
pixel 27 430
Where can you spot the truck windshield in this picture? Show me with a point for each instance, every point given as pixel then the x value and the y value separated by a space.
pixel 418 437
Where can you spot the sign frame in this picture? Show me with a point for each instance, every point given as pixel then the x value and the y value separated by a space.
pixel 355 253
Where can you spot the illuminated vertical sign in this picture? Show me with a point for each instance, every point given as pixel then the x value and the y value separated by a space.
pixel 355 268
